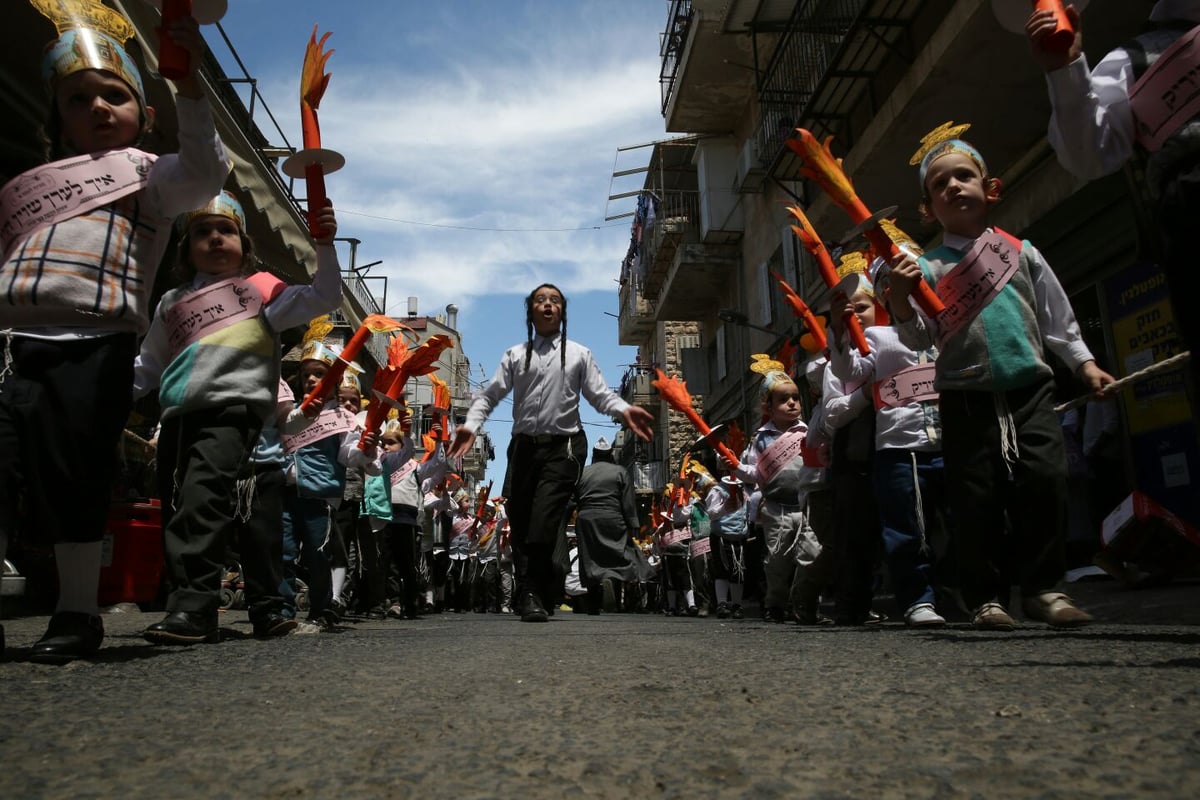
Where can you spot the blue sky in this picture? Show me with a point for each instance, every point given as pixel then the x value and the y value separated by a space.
pixel 470 117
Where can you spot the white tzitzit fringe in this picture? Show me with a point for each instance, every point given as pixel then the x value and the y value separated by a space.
pixel 920 504
pixel 244 497
pixel 7 333
pixel 1009 449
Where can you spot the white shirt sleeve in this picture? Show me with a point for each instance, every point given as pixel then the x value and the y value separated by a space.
pixel 1056 318
pixel 596 391
pixel 1091 124
pixel 496 390
pixel 298 304
pixel 187 180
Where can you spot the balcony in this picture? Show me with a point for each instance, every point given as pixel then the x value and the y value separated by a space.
pixel 710 63
pixel 636 314
pixel 699 276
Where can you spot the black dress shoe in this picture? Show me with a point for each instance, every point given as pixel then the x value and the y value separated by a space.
pixel 184 627
pixel 533 611
pixel 70 635
pixel 274 624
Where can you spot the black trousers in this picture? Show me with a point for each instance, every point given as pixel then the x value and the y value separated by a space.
pixel 260 541
pixel 200 455
pixel 403 541
pixel 539 483
pixel 1177 216
pixel 985 493
pixel 63 406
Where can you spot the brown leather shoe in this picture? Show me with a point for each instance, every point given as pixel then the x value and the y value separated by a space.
pixel 992 617
pixel 1056 609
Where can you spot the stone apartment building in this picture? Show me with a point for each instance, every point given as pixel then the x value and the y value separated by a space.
pixel 875 75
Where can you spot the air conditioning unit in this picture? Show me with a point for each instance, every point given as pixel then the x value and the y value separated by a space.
pixel 642 385
pixel 750 175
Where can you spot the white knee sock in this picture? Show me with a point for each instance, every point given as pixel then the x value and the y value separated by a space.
pixel 78 576
pixel 690 597
pixel 339 581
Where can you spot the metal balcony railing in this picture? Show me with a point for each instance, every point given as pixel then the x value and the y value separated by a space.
pixel 809 48
pixel 671 44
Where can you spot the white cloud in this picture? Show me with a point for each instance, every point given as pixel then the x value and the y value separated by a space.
pixel 525 146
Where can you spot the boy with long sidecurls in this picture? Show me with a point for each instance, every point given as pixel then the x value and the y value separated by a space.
pixel 547 375
pixel 1003 445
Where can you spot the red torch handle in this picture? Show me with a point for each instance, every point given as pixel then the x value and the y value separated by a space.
pixel 929 302
pixel 173 61
pixel 314 178
pixel 829 275
pixel 1064 33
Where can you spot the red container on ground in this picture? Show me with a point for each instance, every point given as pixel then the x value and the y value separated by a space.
pixel 131 564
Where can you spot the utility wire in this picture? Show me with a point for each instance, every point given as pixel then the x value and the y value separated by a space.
pixel 472 228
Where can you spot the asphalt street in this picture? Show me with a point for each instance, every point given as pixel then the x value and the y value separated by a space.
pixel 620 705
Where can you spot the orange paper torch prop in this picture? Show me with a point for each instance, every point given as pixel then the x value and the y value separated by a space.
pixel 815 329
pixel 374 323
pixel 403 363
pixel 813 244
pixel 822 167
pixel 440 407
pixel 313 162
pixel 175 61
pixel 675 392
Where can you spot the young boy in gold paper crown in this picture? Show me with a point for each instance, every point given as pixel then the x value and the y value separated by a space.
pixel 848 420
pixel 212 352
pixel 774 462
pixel 1003 444
pixel 907 473
pixel 82 240
pixel 316 481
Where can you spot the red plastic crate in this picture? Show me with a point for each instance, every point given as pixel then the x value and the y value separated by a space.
pixel 131 565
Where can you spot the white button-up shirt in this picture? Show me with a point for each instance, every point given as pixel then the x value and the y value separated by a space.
pixel 546 395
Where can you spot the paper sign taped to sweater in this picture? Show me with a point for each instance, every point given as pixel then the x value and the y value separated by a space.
pixel 210 309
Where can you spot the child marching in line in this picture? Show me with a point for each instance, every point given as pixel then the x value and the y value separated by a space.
pixel 217 385
pixel 344 527
pixel 459 578
pixel 259 531
pixel 849 424
pixel 1003 444
pixel 405 475
pixel 674 545
pixel 907 471
pixel 773 461
pixel 487 566
pixel 725 503
pixel 69 334
pixel 316 480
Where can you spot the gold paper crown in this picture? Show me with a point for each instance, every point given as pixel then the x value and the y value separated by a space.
pixel 318 329
pixel 71 14
pixel 763 364
pixel 899 237
pixel 703 476
pixel 852 263
pixel 942 133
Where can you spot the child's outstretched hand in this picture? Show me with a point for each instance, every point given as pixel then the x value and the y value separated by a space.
pixel 1095 379
pixel 1040 25
pixel 370 441
pixel 314 407
pixel 185 32
pixel 903 277
pixel 327 222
